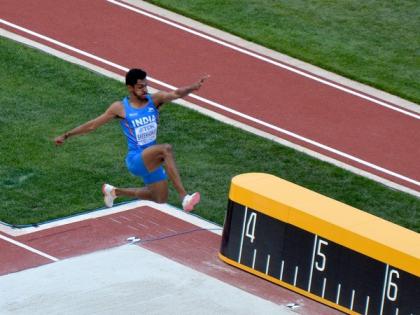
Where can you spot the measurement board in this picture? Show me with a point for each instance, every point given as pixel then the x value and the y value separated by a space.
pixel 321 248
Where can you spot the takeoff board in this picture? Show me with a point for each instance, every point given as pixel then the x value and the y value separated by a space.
pixel 331 252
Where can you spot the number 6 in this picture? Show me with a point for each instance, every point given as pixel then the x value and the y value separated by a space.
pixel 392 285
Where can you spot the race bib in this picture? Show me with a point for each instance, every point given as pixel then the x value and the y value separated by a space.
pixel 146 134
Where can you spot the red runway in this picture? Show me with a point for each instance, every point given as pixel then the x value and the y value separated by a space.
pixel 175 238
pixel 317 114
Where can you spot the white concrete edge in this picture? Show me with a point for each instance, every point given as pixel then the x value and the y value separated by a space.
pixel 382 95
pixel 165 208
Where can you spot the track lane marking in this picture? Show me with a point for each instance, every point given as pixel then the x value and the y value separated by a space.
pixel 221 107
pixel 28 248
pixel 262 58
pixel 207 112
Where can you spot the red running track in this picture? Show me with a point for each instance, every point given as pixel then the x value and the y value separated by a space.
pixel 358 127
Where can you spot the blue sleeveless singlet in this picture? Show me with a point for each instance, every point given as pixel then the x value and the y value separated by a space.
pixel 140 128
pixel 140 125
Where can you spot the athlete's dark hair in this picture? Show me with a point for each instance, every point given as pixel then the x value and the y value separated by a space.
pixel 133 75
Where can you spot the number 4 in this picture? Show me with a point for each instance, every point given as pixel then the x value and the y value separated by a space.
pixel 250 226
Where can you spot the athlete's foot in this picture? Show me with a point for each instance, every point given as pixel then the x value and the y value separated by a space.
pixel 190 201
pixel 109 194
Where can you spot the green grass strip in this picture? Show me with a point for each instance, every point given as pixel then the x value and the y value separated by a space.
pixel 373 42
pixel 42 96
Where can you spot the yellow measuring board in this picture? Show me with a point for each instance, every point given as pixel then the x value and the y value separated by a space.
pixel 322 248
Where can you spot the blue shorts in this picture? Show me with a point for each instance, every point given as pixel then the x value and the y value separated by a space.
pixel 135 165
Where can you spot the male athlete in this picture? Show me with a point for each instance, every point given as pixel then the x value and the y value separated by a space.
pixel 138 114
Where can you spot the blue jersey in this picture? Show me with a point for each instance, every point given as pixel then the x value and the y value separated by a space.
pixel 140 125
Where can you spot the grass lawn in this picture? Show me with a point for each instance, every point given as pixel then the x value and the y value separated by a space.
pixel 42 96
pixel 375 42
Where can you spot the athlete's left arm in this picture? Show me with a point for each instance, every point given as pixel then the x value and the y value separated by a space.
pixel 161 97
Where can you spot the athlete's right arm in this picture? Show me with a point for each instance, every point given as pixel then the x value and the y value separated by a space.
pixel 114 110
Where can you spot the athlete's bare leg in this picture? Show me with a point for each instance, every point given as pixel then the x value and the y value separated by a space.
pixel 157 192
pixel 159 154
pixel 160 191
pixel 141 193
pixel 153 157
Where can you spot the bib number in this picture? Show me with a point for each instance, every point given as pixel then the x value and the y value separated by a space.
pixel 146 134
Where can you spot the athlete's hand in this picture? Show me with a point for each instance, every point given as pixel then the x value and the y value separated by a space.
pixel 60 140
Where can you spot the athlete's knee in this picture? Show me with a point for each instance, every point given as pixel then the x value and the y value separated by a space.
pixel 167 150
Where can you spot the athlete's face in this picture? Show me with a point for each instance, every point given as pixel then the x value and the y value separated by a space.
pixel 140 89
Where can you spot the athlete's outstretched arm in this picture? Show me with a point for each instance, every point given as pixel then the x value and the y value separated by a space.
pixel 161 97
pixel 113 111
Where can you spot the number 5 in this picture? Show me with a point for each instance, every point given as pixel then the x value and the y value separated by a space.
pixel 321 266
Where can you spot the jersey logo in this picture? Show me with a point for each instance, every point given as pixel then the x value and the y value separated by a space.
pixel 143 121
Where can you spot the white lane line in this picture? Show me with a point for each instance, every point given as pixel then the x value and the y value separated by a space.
pixel 222 107
pixel 218 116
pixel 31 249
pixel 56 42
pixel 262 58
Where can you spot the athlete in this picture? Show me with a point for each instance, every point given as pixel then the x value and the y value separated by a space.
pixel 138 114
